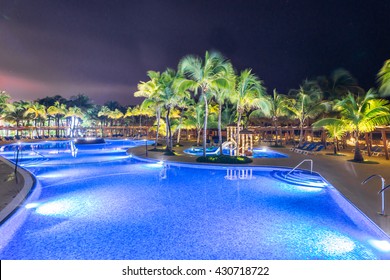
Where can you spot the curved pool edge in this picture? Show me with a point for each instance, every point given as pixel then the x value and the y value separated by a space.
pixel 342 200
pixel 28 184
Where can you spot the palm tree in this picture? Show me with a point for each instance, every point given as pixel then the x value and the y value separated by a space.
pixel 275 108
pixel 336 129
pixel 14 113
pixel 75 114
pixel 204 75
pixel 249 94
pixel 152 90
pixel 103 116
pixel 195 118
pixel 362 114
pixel 171 96
pixel 57 110
pixel 221 95
pixel 306 104
pixel 115 115
pixel 384 79
pixel 36 111
pixel 4 97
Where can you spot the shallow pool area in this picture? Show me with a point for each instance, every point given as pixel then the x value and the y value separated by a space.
pixel 115 206
pixel 261 152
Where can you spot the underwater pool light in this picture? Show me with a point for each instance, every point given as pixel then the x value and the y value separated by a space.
pixel 381 245
pixel 31 205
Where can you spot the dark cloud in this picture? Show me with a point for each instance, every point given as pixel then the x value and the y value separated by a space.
pixel 104 48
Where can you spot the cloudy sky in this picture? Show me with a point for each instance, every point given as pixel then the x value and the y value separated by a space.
pixel 104 48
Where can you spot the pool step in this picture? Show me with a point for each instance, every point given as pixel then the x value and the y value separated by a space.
pixel 300 178
pixel 33 161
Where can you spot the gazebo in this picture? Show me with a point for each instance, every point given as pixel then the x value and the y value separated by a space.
pixel 245 143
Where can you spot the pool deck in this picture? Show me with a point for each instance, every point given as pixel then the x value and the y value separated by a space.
pixel 344 175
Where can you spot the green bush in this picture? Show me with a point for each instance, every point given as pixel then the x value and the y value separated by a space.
pixel 225 159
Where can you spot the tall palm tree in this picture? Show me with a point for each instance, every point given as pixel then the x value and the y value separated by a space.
pixel 4 98
pixel 362 114
pixel 57 110
pixel 14 113
pixel 249 94
pixel 115 115
pixel 221 95
pixel 152 91
pixel 203 75
pixel 75 114
pixel 195 118
pixel 172 95
pixel 384 79
pixel 306 104
pixel 275 108
pixel 36 111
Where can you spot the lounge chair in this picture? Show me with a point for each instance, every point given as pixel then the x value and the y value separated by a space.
pixel 300 147
pixel 306 148
pixel 378 151
pixel 315 150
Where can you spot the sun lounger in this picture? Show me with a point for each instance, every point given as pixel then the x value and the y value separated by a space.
pixel 315 150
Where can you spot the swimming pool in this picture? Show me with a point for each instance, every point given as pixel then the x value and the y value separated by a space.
pixel 256 153
pixel 126 208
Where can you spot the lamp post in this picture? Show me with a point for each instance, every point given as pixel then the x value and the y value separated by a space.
pixel 146 147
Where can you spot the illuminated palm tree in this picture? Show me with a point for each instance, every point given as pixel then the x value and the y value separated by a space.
pixel 57 110
pixel 204 75
pixel 14 113
pixel 115 115
pixel 75 114
pixel 306 104
pixel 152 91
pixel 335 128
pixel 171 97
pixel 362 114
pixel 384 79
pixel 221 95
pixel 274 108
pixel 4 98
pixel 249 94
pixel 36 111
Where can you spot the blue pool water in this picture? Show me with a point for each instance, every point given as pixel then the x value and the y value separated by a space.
pixel 114 206
pixel 257 152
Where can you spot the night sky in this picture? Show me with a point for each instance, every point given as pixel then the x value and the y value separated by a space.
pixel 104 48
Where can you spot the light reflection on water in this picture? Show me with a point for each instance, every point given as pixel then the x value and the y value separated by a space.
pixel 126 209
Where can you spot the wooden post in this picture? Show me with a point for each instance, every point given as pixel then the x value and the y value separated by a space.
pixel 384 139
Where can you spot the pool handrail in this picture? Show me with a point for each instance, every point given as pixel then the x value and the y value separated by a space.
pixel 305 160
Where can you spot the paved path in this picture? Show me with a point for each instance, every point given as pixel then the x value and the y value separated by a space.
pixel 346 176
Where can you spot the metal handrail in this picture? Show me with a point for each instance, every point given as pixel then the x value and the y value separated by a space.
pixel 311 166
pixel 382 191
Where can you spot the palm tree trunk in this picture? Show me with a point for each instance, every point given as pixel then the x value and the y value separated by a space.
pixel 301 134
pixel 335 141
pixel 167 129
pixel 238 134
pixel 220 128
pixel 358 154
pixel 158 127
pixel 198 136
pixel 206 112
pixel 276 133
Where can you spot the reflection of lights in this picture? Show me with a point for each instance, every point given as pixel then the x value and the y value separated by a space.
pixel 31 205
pixel 333 244
pixel 57 208
pixel 381 245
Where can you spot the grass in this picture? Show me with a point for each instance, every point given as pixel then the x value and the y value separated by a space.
pixel 224 159
pixel 364 162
